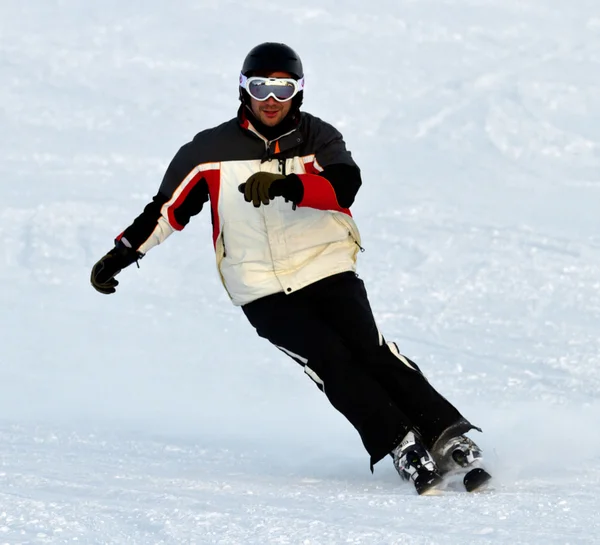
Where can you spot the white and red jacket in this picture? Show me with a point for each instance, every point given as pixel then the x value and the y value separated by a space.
pixel 282 246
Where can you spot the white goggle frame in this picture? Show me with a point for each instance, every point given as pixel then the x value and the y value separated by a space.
pixel 284 83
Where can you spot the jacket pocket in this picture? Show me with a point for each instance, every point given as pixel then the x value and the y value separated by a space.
pixel 348 224
pixel 220 254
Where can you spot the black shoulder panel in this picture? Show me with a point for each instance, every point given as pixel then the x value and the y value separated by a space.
pixel 324 141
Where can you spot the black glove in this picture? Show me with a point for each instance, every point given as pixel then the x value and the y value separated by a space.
pixel 104 272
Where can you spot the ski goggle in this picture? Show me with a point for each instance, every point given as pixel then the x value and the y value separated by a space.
pixel 281 89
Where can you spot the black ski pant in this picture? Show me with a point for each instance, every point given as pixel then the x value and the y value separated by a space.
pixel 329 328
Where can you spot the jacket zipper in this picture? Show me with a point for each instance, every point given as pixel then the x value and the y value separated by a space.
pixel 350 234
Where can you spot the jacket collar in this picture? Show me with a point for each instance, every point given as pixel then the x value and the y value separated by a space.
pixel 281 143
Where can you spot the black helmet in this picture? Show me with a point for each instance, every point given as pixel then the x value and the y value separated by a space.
pixel 273 57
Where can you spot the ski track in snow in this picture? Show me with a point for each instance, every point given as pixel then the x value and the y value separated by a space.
pixel 156 415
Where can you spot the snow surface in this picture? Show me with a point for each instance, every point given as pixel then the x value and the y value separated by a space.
pixel 156 415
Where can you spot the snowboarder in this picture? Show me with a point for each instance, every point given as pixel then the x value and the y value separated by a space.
pixel 280 184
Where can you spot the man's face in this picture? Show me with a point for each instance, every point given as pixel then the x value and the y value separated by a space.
pixel 271 112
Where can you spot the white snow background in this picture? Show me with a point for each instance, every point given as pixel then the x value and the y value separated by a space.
pixel 156 415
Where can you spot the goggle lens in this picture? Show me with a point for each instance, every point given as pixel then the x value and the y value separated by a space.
pixel 282 89
pixel 260 90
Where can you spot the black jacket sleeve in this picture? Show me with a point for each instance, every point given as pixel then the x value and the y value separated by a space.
pixel 181 195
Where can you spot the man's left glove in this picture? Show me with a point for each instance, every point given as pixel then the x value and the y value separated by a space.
pixel 104 272
pixel 262 187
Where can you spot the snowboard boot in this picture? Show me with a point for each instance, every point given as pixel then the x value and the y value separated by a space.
pixel 455 453
pixel 414 463
pixel 459 452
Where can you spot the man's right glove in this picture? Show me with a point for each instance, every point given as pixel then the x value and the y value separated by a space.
pixel 104 272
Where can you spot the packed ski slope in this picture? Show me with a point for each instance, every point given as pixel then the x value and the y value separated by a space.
pixel 156 415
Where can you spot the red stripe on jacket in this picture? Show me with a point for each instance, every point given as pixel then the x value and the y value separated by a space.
pixel 213 180
pixel 319 194
pixel 177 203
